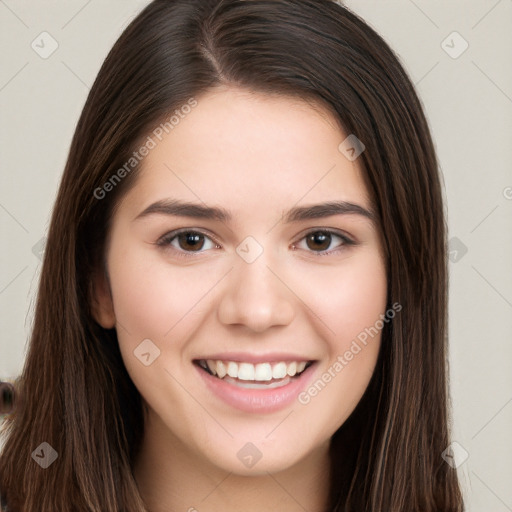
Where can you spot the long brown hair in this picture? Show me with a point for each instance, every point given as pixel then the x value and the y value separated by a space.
pixel 74 392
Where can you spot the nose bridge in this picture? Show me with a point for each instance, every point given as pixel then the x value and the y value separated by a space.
pixel 254 295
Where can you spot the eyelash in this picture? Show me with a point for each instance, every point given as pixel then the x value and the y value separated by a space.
pixel 166 240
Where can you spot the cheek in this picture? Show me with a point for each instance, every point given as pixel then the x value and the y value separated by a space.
pixel 348 298
pixel 151 297
pixel 154 300
pixel 352 307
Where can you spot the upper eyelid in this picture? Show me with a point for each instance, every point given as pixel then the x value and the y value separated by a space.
pixel 174 233
pixel 332 231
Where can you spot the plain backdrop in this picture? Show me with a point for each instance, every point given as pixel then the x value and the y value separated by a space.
pixel 457 53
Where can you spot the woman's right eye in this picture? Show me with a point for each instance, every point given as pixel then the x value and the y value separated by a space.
pixel 187 241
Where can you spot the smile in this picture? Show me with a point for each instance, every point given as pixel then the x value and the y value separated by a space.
pixel 263 387
pixel 261 372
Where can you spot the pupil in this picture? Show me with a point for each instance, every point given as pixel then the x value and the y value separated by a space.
pixel 320 238
pixel 191 239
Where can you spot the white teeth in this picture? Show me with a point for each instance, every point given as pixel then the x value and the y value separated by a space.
pixel 246 371
pixel 292 369
pixel 233 369
pixel 221 369
pixel 261 372
pixel 279 371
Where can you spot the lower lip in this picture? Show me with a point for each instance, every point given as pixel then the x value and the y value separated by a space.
pixel 257 400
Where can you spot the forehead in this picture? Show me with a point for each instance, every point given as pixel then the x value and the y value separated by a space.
pixel 250 151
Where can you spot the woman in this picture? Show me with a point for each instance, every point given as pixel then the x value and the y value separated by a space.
pixel 243 296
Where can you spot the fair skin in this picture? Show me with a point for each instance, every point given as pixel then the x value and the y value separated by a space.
pixel 302 299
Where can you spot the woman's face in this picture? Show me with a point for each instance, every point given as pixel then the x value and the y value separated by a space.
pixel 261 282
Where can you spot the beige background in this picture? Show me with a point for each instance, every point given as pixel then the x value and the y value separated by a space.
pixel 468 99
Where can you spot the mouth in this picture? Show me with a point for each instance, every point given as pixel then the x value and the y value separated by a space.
pixel 262 387
pixel 254 376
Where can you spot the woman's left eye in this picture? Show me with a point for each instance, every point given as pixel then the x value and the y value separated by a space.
pixel 188 241
pixel 320 240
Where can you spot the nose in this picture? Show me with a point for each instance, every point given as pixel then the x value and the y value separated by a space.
pixel 256 297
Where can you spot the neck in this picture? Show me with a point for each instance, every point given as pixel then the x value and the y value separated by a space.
pixel 171 477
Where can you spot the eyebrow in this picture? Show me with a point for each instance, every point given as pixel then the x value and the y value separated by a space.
pixel 299 213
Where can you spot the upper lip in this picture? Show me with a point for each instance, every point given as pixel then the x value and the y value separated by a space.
pixel 240 357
